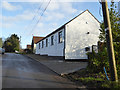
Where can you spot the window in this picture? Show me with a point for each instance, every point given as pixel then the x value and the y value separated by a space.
pixel 60 37
pixel 46 42
pixel 52 42
pixel 42 44
pixel 87 49
pixel 88 33
pixel 95 48
pixel 39 45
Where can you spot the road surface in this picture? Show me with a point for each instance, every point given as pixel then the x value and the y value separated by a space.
pixel 19 71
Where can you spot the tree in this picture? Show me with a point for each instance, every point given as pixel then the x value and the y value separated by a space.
pixel 0 42
pixel 12 43
pixel 115 25
pixel 99 60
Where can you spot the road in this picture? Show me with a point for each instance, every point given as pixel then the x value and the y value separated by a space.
pixel 19 71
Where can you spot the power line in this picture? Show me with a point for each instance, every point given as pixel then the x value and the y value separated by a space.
pixel 37 11
pixel 35 15
pixel 40 17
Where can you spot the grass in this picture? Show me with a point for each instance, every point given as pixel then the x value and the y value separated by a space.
pixel 92 80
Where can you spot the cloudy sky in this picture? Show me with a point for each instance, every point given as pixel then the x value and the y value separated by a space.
pixel 30 18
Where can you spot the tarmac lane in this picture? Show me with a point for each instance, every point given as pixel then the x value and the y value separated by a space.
pixel 19 71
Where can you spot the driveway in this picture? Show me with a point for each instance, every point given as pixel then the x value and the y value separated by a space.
pixel 58 65
pixel 21 72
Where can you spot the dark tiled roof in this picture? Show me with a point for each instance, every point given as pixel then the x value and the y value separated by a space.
pixel 37 39
pixel 28 46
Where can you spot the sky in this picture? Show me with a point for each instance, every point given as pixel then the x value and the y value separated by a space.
pixel 27 19
pixel 119 7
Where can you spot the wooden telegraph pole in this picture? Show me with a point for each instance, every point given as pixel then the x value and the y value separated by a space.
pixel 109 40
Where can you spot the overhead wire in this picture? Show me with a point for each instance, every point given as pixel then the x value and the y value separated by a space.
pixel 100 1
pixel 37 11
pixel 35 15
pixel 40 17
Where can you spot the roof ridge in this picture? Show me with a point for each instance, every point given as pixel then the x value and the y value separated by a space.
pixel 67 23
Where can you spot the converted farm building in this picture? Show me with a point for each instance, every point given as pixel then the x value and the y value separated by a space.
pixel 72 40
pixel 35 39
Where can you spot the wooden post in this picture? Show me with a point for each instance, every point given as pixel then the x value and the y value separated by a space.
pixel 109 39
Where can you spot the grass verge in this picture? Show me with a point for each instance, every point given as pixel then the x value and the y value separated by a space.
pixel 92 80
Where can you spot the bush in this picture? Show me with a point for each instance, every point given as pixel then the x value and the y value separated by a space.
pixel 97 61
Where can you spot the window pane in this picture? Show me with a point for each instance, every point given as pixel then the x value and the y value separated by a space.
pixel 46 42
pixel 42 44
pixel 60 37
pixel 39 45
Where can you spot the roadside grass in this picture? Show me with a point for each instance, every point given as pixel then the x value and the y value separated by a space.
pixel 91 79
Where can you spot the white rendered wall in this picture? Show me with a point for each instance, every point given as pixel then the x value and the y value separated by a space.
pixel 52 50
pixel 34 48
pixel 37 49
pixel 76 37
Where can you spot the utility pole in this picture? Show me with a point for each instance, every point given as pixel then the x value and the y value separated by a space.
pixel 109 40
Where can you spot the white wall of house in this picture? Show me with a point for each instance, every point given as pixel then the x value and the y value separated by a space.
pixel 51 50
pixel 76 37
pixel 37 49
pixel 34 48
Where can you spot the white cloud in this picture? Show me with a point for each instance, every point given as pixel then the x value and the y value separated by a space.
pixel 54 24
pixel 55 12
pixel 40 25
pixel 57 0
pixel 6 25
pixel 43 31
pixel 53 6
pixel 26 15
pixel 67 8
pixel 11 21
pixel 51 16
pixel 10 7
pixel 56 15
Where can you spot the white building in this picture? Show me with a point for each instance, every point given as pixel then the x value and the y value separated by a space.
pixel 72 40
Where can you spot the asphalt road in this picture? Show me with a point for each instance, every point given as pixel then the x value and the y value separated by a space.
pixel 19 71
